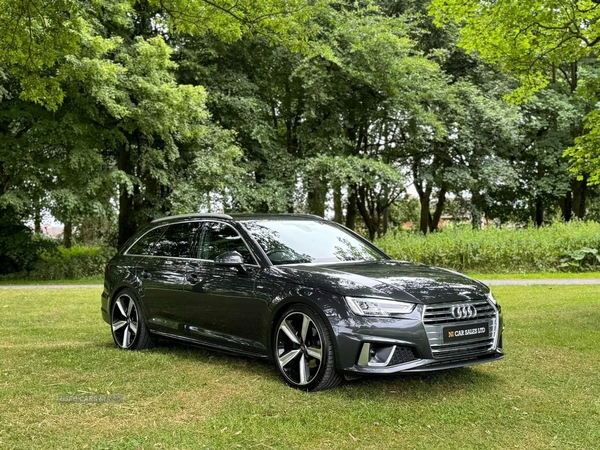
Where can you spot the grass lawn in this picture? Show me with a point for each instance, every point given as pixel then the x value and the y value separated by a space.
pixel 533 275
pixel 544 394
pixel 89 280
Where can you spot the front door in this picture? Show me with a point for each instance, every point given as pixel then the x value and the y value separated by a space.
pixel 220 304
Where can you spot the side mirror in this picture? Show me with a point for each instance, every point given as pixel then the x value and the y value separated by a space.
pixel 231 259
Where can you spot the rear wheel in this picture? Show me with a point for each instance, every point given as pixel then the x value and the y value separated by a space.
pixel 127 323
pixel 303 350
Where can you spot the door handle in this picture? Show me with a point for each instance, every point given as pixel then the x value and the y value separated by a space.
pixel 146 274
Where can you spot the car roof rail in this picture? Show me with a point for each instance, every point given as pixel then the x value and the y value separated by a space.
pixel 194 216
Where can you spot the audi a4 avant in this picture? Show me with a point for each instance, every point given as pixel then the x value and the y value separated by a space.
pixel 317 299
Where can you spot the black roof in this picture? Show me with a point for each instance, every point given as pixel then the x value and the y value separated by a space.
pixel 241 216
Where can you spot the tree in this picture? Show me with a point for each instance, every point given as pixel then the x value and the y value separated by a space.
pixel 377 185
pixel 288 108
pixel 38 37
pixel 111 64
pixel 534 43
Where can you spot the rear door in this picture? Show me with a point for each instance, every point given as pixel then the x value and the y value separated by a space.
pixel 162 276
pixel 220 304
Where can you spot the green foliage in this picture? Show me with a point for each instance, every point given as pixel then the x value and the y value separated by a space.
pixel 41 40
pixel 585 154
pixel 584 258
pixel 168 106
pixel 284 21
pixel 369 172
pixel 500 250
pixel 538 42
pixel 522 37
pixel 20 249
pixel 67 264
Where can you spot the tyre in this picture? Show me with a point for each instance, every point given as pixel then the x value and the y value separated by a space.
pixel 128 324
pixel 303 350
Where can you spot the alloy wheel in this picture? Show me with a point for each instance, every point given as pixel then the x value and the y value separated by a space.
pixel 124 321
pixel 299 348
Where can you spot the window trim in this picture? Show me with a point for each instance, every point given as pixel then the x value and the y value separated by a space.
pixel 162 225
pixel 126 252
pixel 200 237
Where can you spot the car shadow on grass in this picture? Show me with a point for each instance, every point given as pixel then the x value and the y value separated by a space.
pixel 404 385
pixel 422 386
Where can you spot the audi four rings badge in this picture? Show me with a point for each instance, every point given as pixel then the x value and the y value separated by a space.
pixel 464 312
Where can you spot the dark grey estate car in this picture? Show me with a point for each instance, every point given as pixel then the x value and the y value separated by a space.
pixel 311 295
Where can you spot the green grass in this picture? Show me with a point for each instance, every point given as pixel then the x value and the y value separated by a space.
pixel 533 276
pixel 88 280
pixel 544 394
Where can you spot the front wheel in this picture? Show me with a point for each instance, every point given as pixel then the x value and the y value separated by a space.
pixel 303 350
pixel 127 323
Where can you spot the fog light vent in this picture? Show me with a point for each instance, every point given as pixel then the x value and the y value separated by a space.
pixel 376 355
pixel 402 355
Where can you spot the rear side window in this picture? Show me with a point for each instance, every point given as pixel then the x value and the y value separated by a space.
pixel 177 240
pixel 146 245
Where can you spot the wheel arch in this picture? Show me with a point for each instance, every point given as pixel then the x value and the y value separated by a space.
pixel 284 305
pixel 122 287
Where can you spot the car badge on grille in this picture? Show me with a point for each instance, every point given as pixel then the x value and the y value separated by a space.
pixel 463 312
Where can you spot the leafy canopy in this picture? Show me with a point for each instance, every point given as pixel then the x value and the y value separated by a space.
pixel 39 37
pixel 532 40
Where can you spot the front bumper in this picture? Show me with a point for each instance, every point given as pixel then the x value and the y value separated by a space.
pixel 368 345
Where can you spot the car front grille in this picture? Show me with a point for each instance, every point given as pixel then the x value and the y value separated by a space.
pixel 442 313
pixel 438 316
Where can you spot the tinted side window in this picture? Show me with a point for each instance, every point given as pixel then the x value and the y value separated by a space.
pixel 177 240
pixel 220 238
pixel 146 245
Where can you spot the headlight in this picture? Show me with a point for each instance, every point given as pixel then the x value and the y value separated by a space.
pixel 378 307
pixel 492 299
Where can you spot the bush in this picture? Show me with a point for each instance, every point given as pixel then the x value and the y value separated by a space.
pixel 72 263
pixel 67 264
pixel 20 248
pixel 553 248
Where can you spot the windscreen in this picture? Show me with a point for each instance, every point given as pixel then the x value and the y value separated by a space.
pixel 306 241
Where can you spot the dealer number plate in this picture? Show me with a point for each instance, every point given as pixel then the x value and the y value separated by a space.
pixel 466 332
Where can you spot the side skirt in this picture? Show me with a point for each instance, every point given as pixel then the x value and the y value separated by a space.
pixel 209 345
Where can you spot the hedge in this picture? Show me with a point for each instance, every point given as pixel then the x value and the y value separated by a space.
pixel 572 246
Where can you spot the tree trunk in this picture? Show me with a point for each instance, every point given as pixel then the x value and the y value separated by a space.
pixel 259 176
pixel 439 209
pixel 385 221
pixel 476 219
pixel 127 214
pixel 338 213
pixel 37 217
pixel 579 188
pixel 539 212
pixel 425 198
pixel 351 207
pixel 316 198
pixel 68 234
pixel 370 222
pixel 566 206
